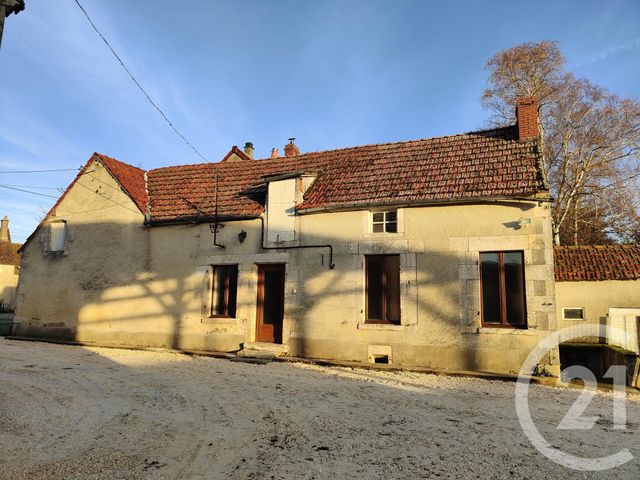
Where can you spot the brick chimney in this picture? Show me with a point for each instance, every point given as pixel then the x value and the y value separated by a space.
pixel 527 115
pixel 274 153
pixel 291 149
pixel 248 150
pixel 5 236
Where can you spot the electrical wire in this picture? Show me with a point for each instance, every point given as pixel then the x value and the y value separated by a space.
pixel 77 183
pixel 27 191
pixel 144 92
pixel 43 171
pixel 107 198
pixel 34 186
pixel 103 182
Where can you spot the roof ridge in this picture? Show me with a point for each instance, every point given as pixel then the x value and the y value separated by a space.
pixel 346 149
pixel 103 156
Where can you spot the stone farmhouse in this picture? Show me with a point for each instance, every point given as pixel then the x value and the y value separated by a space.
pixel 434 252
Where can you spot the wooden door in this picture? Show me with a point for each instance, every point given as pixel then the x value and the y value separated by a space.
pixel 270 304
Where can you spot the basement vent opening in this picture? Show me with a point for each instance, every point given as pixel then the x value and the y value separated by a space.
pixel 381 359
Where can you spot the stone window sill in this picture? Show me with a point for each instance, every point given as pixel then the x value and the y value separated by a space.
pixel 219 320
pixel 499 331
pixel 384 235
pixel 380 327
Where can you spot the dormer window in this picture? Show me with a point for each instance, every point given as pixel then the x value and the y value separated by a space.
pixel 384 222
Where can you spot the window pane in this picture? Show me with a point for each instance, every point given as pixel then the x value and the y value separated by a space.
pixel 392 283
pixel 391 227
pixel 378 217
pixel 392 216
pixel 374 287
pixel 225 288
pixel 218 300
pixel 514 288
pixel 490 278
pixel 233 290
pixel 378 227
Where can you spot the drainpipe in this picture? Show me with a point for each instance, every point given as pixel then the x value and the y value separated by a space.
pixel 330 247
pixel 215 218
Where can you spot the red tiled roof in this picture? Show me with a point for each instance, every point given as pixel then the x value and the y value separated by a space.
pixel 599 262
pixel 9 253
pixel 469 166
pixel 131 179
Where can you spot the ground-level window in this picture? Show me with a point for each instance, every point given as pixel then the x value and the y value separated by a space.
pixel 382 288
pixel 503 292
pixel 224 292
pixel 573 313
pixel 384 222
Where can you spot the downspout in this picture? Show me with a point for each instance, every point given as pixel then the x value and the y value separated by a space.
pixel 215 218
pixel 330 247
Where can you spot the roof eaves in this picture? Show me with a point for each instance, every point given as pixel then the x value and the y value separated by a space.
pixel 193 219
pixel 420 203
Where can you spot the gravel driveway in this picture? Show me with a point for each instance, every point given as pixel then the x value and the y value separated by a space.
pixel 89 413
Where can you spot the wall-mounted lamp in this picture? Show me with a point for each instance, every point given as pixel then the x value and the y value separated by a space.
pixel 524 222
pixel 241 236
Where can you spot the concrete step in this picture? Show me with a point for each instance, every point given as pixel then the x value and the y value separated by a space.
pixel 257 354
pixel 262 350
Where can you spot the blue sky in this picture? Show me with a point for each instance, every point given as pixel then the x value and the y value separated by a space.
pixel 330 73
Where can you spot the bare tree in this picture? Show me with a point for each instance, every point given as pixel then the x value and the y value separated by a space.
pixel 7 7
pixel 590 140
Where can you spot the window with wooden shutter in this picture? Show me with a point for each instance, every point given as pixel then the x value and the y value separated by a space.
pixel 382 288
pixel 56 237
pixel 281 202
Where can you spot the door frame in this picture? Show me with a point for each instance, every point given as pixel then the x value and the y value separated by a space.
pixel 262 268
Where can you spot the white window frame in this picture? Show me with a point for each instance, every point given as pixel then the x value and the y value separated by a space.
pixel 573 319
pixel 384 221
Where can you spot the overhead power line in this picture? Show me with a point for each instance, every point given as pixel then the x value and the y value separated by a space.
pixel 107 198
pixel 43 171
pixel 33 186
pixel 27 191
pixel 144 92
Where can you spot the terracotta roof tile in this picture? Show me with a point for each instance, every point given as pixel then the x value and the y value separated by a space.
pixel 9 253
pixel 468 166
pixel 593 263
pixel 131 179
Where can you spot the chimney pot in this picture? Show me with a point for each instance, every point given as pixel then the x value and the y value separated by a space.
pixel 274 153
pixel 248 149
pixel 527 116
pixel 291 149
